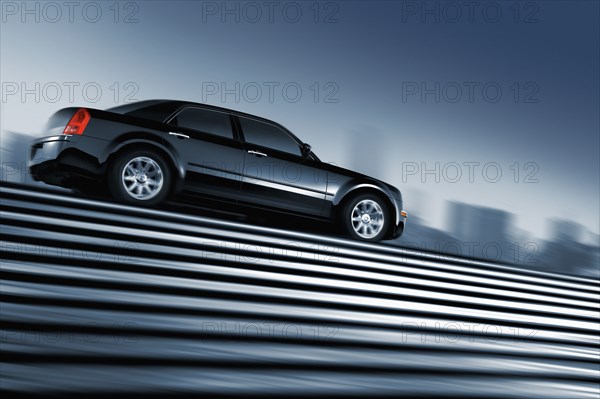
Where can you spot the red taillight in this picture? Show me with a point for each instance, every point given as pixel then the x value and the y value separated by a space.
pixel 78 122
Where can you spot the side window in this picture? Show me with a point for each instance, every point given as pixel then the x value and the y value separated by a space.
pixel 267 135
pixel 204 120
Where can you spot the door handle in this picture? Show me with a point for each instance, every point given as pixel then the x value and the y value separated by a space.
pixel 179 135
pixel 257 153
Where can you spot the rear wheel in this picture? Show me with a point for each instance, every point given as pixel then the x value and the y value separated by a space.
pixel 366 217
pixel 139 177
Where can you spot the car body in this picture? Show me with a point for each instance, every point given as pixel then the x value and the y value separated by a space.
pixel 147 151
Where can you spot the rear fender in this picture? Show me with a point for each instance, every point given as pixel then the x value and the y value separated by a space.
pixel 134 140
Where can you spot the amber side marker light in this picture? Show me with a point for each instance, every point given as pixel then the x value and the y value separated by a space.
pixel 78 122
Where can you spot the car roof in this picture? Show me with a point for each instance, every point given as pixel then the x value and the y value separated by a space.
pixel 171 106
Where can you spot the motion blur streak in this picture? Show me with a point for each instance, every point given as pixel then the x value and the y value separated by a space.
pixel 105 298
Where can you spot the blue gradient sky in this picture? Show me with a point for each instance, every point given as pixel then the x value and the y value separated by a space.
pixel 370 52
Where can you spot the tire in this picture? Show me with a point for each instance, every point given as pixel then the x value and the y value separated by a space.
pixel 139 177
pixel 366 217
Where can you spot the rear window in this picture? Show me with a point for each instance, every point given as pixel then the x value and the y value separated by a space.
pixel 155 110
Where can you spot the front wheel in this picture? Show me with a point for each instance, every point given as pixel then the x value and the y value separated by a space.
pixel 139 177
pixel 366 217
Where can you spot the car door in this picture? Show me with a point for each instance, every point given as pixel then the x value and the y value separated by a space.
pixel 275 173
pixel 212 150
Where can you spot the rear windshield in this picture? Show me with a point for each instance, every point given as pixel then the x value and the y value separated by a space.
pixel 156 110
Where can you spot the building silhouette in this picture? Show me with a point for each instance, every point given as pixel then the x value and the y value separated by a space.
pixel 486 230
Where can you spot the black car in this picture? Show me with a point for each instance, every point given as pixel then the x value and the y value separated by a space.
pixel 145 152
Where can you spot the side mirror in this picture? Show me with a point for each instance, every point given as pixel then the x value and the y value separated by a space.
pixel 306 150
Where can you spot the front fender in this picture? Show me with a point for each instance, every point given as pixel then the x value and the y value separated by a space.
pixel 352 186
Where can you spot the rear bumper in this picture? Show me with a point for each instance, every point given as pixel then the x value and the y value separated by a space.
pixel 57 160
pixel 47 149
